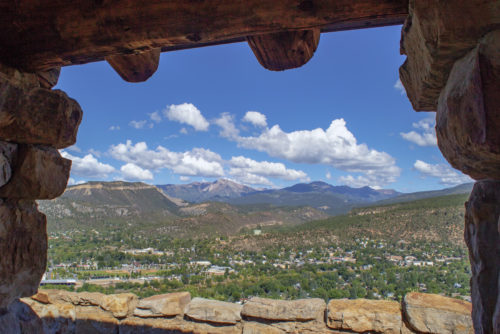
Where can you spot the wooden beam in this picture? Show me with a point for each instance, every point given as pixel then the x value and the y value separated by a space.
pixel 136 67
pixel 41 34
pixel 284 50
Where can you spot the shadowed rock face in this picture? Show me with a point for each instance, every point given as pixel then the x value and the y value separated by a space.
pixel 23 249
pixel 483 240
pixel 467 119
pixel 57 311
pixel 34 122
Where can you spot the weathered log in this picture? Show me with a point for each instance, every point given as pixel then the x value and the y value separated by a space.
pixel 483 240
pixel 284 50
pixel 68 32
pixel 435 35
pixel 136 67
pixel 468 122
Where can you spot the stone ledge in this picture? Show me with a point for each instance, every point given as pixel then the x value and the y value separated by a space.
pixel 69 312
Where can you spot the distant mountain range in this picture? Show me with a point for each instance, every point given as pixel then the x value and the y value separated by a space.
pixel 320 195
pixel 145 210
pixel 207 208
pixel 207 191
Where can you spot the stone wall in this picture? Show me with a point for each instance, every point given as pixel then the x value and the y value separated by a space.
pixel 35 121
pixel 56 311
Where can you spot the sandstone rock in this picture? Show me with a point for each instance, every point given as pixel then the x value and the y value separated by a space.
pixel 39 172
pixel 467 117
pixel 7 153
pixel 29 321
pixel 284 310
pixel 9 323
pixel 33 115
pixel 23 245
pixel 257 328
pixel 120 305
pixel 55 318
pixel 482 213
pixel 94 320
pixel 213 311
pixel 159 326
pixel 435 35
pixel 364 315
pixel 428 313
pixel 49 78
pixel 169 304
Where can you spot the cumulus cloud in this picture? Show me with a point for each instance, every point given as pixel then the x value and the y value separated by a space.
pixel 335 146
pixel 88 166
pixel 114 128
pixel 138 124
pixel 74 148
pixel 399 86
pixel 256 118
pixel 328 175
pixel 196 162
pixel 184 178
pixel 226 123
pixel 426 135
pixel 131 171
pixel 444 173
pixel 249 171
pixel 73 182
pixel 187 113
pixel 155 117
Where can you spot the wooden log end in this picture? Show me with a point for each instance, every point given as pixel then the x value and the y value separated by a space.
pixel 136 67
pixel 284 50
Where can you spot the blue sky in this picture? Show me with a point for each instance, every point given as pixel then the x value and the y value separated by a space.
pixel 215 112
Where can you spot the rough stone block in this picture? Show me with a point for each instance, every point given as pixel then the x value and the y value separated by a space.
pixel 468 119
pixel 213 311
pixel 284 310
pixel 435 35
pixel 364 315
pixel 39 172
pixel 170 304
pixel 427 313
pixel 30 114
pixel 160 325
pixel 23 245
pixel 482 214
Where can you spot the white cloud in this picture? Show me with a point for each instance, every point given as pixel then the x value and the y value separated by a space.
pixel 399 86
pixel 444 173
pixel 131 171
pixel 427 135
pixel 114 128
pixel 155 117
pixel 226 122
pixel 184 131
pixel 138 124
pixel 256 172
pixel 74 148
pixel 256 118
pixel 73 182
pixel 328 175
pixel 196 162
pixel 335 146
pixel 184 178
pixel 187 113
pixel 88 166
